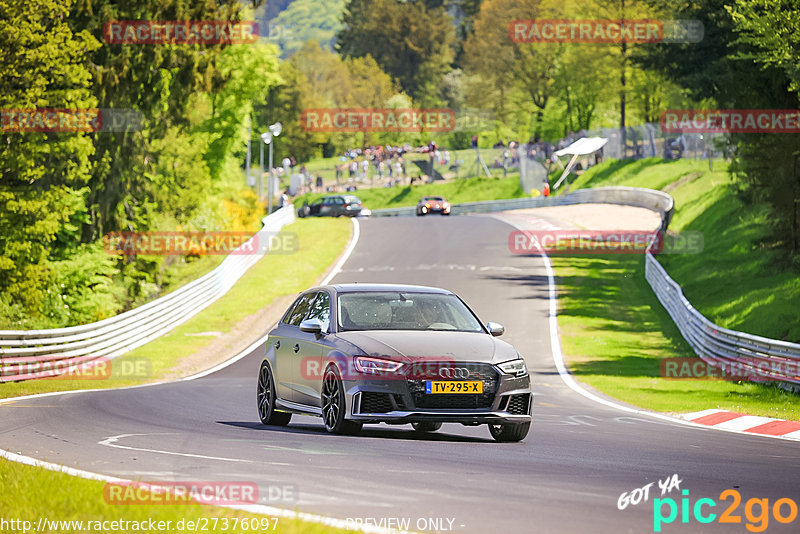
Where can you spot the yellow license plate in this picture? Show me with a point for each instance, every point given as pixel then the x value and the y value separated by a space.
pixel 453 386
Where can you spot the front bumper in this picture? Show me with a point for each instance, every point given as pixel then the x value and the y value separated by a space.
pixel 507 399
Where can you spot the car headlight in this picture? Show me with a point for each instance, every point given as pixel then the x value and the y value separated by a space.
pixel 514 367
pixel 365 364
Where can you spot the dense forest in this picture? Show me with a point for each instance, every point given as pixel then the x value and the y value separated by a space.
pixel 182 166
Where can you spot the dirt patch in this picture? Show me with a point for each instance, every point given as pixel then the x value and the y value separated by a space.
pixel 691 177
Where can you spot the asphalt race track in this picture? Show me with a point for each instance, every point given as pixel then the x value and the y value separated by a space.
pixel 566 477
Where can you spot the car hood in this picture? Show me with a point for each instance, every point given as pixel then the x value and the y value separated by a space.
pixel 412 344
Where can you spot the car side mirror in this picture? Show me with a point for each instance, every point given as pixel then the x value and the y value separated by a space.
pixel 312 326
pixel 496 329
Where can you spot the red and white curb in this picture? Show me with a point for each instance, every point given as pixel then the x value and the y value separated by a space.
pixel 751 424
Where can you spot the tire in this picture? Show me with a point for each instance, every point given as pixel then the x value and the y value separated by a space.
pixel 426 426
pixel 333 405
pixel 266 399
pixel 509 432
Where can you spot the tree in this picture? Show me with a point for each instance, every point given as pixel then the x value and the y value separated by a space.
pixel 411 42
pixel 318 78
pixel 307 20
pixel 747 60
pixel 502 63
pixel 43 175
pixel 583 80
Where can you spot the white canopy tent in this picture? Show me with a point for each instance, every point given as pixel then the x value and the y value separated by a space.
pixel 582 147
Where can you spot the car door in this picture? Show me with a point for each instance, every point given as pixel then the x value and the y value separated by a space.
pixel 338 207
pixel 316 207
pixel 313 350
pixel 327 207
pixel 284 338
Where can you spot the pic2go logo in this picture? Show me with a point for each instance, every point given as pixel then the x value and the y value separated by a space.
pixel 756 511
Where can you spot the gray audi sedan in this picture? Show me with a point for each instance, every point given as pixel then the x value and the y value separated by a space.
pixel 397 354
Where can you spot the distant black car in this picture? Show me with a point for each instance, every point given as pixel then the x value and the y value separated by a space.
pixel 433 205
pixel 332 206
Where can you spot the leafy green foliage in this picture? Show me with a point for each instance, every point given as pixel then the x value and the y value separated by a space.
pixel 413 43
pixel 307 20
pixel 42 178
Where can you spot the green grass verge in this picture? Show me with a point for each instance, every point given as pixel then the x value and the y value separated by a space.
pixel 31 493
pixel 467 190
pixel 614 334
pixel 614 330
pixel 653 173
pixel 320 241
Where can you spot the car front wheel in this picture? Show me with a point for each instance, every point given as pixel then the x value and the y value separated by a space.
pixel 509 431
pixel 333 405
pixel 266 399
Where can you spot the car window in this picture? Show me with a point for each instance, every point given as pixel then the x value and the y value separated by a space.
pixel 317 202
pixel 321 309
pixel 329 200
pixel 405 311
pixel 300 309
pixel 338 200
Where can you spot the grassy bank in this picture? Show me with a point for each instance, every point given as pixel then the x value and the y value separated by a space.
pixel 31 493
pixel 614 330
pixel 275 275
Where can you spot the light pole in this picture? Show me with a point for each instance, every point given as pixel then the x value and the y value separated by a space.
pixel 274 131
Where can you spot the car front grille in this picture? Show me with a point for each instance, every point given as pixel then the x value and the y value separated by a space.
pixel 477 371
pixel 375 402
pixel 518 404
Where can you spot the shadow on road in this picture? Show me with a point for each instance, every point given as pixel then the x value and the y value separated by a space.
pixel 366 432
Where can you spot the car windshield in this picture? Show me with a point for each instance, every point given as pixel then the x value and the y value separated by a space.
pixel 404 311
pixel 432 199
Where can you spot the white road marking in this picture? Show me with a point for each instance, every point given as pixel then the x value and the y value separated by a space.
pixel 434 267
pixel 348 251
pixel 112 442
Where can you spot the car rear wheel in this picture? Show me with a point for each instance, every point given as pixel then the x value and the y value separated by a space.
pixel 509 431
pixel 333 405
pixel 266 399
pixel 426 426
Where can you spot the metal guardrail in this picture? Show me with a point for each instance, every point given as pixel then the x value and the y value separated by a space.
pixel 31 354
pixel 628 196
pixel 763 358
pixel 759 357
